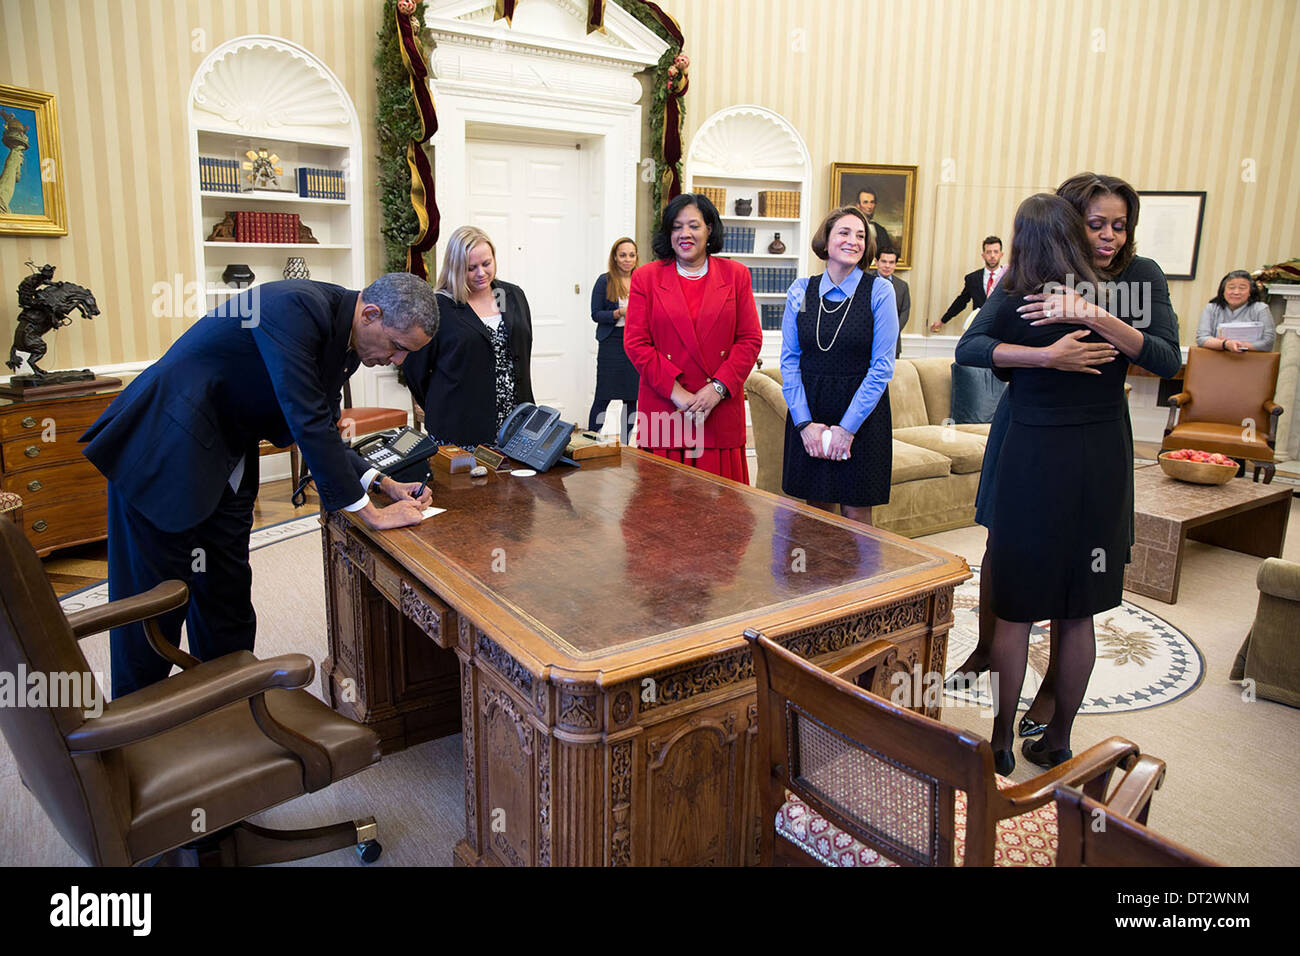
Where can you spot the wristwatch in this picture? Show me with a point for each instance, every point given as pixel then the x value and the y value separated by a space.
pixel 719 388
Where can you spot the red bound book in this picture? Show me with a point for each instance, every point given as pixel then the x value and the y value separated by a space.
pixel 263 227
pixel 293 227
pixel 241 227
pixel 277 233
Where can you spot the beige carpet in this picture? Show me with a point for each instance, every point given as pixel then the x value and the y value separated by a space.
pixel 1233 775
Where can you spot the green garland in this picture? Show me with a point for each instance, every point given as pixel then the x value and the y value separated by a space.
pixel 398 122
pixel 658 98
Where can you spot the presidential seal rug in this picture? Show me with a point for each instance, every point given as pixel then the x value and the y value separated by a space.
pixel 94 595
pixel 1142 660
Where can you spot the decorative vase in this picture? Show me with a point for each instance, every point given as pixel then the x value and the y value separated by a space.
pixel 744 207
pixel 777 247
pixel 296 268
pixel 238 275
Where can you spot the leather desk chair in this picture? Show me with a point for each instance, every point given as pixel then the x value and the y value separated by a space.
pixel 1222 391
pixel 230 737
pixel 847 778
pixel 357 423
pixel 1095 834
pixel 354 423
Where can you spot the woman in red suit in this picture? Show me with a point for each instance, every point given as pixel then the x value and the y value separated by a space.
pixel 693 334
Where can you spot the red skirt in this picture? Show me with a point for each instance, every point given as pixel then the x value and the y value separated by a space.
pixel 725 462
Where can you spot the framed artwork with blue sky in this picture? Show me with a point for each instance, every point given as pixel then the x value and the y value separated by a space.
pixel 31 166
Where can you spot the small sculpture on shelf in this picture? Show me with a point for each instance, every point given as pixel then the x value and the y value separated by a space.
pixel 777 247
pixel 304 233
pixel 224 231
pixel 45 306
pixel 744 207
pixel 295 267
pixel 262 170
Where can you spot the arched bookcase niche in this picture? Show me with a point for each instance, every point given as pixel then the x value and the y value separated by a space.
pixel 747 150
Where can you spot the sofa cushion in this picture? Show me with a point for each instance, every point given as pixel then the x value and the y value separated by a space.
pixel 936 387
pixel 906 401
pixel 964 449
pixel 975 394
pixel 974 429
pixel 912 462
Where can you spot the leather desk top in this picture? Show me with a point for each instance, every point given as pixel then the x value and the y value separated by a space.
pixel 596 572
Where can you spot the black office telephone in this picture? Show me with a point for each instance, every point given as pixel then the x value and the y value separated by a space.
pixel 402 454
pixel 534 435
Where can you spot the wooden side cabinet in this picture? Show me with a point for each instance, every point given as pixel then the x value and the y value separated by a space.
pixel 64 496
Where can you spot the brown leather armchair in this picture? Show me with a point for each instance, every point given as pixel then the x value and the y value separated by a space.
pixel 1226 399
pixel 194 754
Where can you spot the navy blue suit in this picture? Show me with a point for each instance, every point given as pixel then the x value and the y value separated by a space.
pixel 269 365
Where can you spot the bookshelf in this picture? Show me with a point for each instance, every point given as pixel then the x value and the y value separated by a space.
pixel 748 150
pixel 261 91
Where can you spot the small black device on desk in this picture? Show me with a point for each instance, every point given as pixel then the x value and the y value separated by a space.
pixel 534 435
pixel 402 454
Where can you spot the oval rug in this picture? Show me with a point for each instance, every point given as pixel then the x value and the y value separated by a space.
pixel 1142 660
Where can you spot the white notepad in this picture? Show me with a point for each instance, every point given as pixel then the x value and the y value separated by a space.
pixel 430 512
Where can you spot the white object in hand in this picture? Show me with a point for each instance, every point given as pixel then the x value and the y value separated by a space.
pixel 430 512
pixel 826 442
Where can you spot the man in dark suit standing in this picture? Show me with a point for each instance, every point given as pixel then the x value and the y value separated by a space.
pixel 180 448
pixel 978 284
pixel 886 263
pixel 867 203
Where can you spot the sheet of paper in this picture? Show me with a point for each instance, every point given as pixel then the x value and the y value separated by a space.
pixel 430 512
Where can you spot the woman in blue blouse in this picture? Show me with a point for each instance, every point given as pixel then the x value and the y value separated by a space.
pixel 837 357
pixel 616 377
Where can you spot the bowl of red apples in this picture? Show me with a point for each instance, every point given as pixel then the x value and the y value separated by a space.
pixel 1198 467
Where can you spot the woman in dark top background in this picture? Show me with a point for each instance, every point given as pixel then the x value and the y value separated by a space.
pixel 616 377
pixel 1110 208
pixel 477 368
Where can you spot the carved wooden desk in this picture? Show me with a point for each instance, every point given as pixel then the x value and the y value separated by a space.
pixel 600 676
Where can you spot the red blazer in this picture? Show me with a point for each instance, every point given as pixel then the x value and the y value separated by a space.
pixel 666 346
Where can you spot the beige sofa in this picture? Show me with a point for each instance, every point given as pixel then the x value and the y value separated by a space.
pixel 936 467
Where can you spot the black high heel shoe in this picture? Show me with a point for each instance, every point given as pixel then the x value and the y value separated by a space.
pixel 960 680
pixel 1004 761
pixel 1036 752
pixel 1029 727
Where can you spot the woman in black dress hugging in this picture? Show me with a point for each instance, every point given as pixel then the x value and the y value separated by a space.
pixel 1060 533
pixel 838 340
pixel 477 368
pixel 616 376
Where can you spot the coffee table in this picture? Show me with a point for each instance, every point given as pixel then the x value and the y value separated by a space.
pixel 1240 516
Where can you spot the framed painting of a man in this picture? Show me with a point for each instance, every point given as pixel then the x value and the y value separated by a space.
pixel 31 167
pixel 887 195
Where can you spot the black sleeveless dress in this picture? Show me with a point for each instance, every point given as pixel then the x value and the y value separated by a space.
pixel 830 380
pixel 1062 489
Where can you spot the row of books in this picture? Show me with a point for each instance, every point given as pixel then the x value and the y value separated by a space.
pixel 779 202
pixel 738 239
pixel 772 279
pixel 253 226
pixel 321 183
pixel 218 175
pixel 770 316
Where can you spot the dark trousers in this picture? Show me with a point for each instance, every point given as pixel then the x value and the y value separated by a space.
pixel 212 559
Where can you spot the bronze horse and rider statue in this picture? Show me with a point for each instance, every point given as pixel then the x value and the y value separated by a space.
pixel 46 305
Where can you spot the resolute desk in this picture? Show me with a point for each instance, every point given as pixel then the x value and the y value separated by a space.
pixel 583 629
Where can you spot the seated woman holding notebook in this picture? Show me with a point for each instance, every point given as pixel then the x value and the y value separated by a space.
pixel 1237 319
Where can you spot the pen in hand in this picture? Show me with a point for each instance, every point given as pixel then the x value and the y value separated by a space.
pixel 423 484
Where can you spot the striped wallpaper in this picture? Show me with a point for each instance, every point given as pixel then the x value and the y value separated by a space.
pixel 1015 95
pixel 121 72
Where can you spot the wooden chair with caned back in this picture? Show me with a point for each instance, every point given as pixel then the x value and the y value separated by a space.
pixel 847 778
pixel 1096 834
pixel 1227 406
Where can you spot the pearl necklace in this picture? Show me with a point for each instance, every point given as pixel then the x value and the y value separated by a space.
pixel 693 275
pixel 848 301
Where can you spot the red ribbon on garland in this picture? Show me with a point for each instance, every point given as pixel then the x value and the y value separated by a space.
pixel 423 197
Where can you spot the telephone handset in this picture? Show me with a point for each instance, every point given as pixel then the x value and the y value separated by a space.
pixel 534 435
pixel 401 454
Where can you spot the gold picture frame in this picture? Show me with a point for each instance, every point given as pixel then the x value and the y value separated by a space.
pixel 895 189
pixel 31 165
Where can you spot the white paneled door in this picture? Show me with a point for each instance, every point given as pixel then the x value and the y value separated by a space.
pixel 528 199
